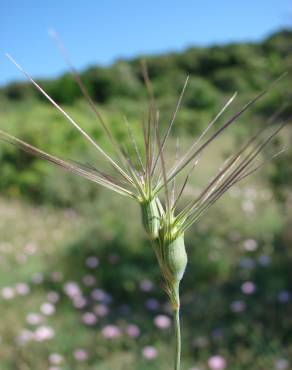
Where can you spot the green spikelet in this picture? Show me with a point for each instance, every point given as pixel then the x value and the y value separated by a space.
pixel 175 259
pixel 150 218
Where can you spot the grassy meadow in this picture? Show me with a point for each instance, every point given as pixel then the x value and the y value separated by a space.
pixel 79 283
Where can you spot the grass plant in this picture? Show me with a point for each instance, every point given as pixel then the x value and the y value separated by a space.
pixel 145 176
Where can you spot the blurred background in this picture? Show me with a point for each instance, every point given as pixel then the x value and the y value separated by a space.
pixel 79 283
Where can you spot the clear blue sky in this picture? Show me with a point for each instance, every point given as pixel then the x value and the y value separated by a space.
pixel 100 31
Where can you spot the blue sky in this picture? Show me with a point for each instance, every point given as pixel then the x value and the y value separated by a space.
pixel 100 31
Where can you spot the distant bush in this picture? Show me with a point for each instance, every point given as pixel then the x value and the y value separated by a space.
pixel 201 94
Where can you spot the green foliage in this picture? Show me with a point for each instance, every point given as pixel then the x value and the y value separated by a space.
pixel 245 67
pixel 215 73
pixel 202 95
pixel 18 91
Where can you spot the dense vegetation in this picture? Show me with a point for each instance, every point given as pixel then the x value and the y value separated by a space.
pixel 215 73
pixel 237 292
pixel 235 67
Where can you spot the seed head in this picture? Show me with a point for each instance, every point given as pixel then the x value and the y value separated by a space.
pixel 146 176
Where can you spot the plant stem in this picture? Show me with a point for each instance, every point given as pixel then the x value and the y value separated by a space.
pixel 177 338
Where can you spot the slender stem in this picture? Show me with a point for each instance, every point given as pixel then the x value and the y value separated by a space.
pixel 176 323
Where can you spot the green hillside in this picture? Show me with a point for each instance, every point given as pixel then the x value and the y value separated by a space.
pixel 59 233
pixel 215 74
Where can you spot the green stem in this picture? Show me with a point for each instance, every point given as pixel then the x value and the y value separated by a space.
pixel 177 338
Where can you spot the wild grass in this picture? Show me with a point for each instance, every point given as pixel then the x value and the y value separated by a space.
pixel 144 177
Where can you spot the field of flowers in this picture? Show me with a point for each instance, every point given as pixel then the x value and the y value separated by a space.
pixel 80 292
